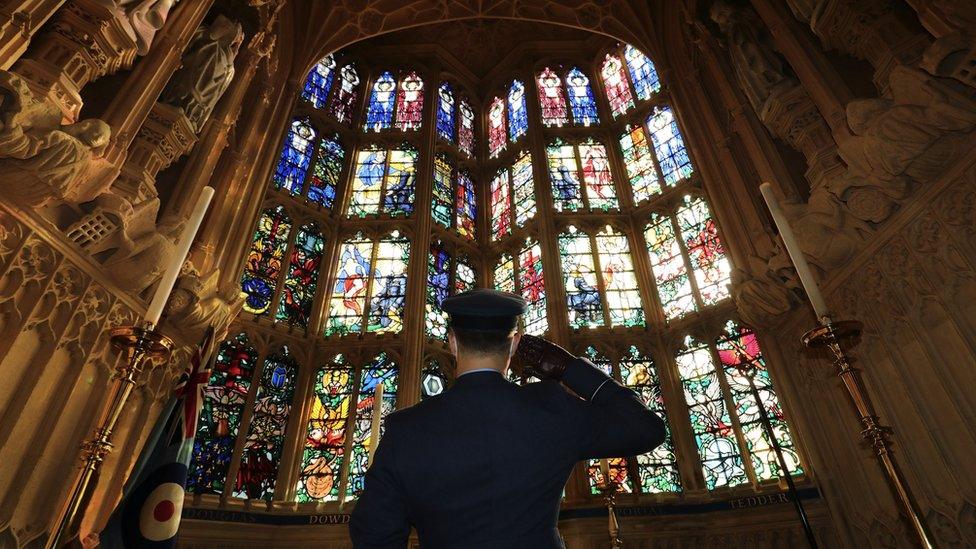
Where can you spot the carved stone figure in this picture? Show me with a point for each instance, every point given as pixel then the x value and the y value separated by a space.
pixel 760 294
pixel 208 68
pixel 196 303
pixel 827 234
pixel 141 18
pixel 145 262
pixel 41 160
pixel 758 68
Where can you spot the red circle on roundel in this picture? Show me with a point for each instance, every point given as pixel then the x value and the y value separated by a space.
pixel 159 518
pixel 164 510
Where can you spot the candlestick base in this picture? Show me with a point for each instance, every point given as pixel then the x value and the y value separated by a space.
pixel 609 490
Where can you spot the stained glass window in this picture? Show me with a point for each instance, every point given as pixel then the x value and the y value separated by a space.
pixel 518 118
pixel 565 161
pixel 325 441
pixel 467 207
pixel 266 433
pixel 442 206
pixel 438 289
pixel 496 127
pixel 295 306
pixel 379 114
pixel 642 73
pixel 388 290
pixel 533 288
pixel 700 237
pixel 616 85
pixel 669 147
pixel 640 165
pixel 348 302
pixel 326 172
pixel 523 192
pixel 466 128
pixel 552 99
pixel 381 370
pixel 445 112
pixel 344 100
pixel 384 181
pixel 264 260
pixel 564 174
pixel 296 155
pixel 501 205
pixel 464 277
pixel 319 82
pixel 619 280
pixel 505 274
pixel 616 465
pixel 432 380
pixel 581 99
pixel 410 103
pixel 600 192
pixel 668 265
pixel 224 398
pixel 579 273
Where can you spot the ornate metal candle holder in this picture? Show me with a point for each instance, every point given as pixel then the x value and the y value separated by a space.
pixel 609 490
pixel 143 348
pixel 834 336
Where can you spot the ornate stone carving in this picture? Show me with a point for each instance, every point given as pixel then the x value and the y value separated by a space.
pixel 761 295
pixel 141 19
pixel 953 54
pixel 208 68
pixel 196 303
pixel 40 159
pixel 141 261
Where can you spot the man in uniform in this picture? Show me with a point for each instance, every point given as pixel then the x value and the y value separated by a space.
pixel 483 464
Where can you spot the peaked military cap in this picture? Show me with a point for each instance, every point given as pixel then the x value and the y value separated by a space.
pixel 484 310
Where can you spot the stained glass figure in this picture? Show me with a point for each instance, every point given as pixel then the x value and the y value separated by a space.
pixel 640 165
pixel 383 181
pixel 344 100
pixel 266 433
pixel 326 172
pixel 532 287
pixel 708 261
pixel 400 181
pixel 264 260
pixel 410 103
pixel 600 191
pixel 367 183
pixel 670 272
pixel 466 128
pixel 325 439
pixel 741 358
pixel 379 114
pixel 669 147
pixel 296 155
pixel 388 290
pixel 552 99
pixel 224 398
pixel 579 274
pixel 642 73
pixel 438 289
pixel 616 85
pixel 380 370
pixel 581 99
pixel 319 82
pixel 496 127
pixel 523 191
pixel 295 306
pixel 518 117
pixel 623 299
pixel 466 206
pixel 505 274
pixel 432 380
pixel 445 112
pixel 501 205
pixel 348 303
pixel 711 423
pixel 564 175
pixel 442 206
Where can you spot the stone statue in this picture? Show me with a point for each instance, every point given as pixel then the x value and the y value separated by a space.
pixel 208 68
pixel 760 295
pixel 41 160
pixel 196 303
pixel 828 235
pixel 758 68
pixel 141 19
pixel 142 265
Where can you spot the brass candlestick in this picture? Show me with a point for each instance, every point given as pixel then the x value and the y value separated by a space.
pixel 834 335
pixel 609 490
pixel 142 347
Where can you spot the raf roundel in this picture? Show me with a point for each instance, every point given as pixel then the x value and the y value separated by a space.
pixel 159 518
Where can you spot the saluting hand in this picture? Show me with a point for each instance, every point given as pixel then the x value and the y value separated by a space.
pixel 542 358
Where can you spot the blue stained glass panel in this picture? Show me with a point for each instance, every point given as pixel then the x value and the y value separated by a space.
pixel 296 154
pixel 669 147
pixel 581 99
pixel 379 114
pixel 445 112
pixel 642 72
pixel 319 82
pixel 518 118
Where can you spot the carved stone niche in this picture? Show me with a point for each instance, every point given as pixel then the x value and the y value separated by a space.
pixel 85 40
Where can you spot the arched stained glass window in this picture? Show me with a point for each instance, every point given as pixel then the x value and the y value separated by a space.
pixel 296 155
pixel 379 114
pixel 566 162
pixel 552 99
pixel 512 197
pixel 381 370
pixel 344 99
pixel 326 172
pixel 264 261
pixel 325 442
pixel 532 287
pixel 564 173
pixel 442 206
pixel 669 147
pixel 319 82
pixel 581 99
pixel 265 438
pixel 501 205
pixel 641 171
pixel 600 192
pixel 505 274
pixel 523 190
pixel 616 85
pixel 383 182
pixel 410 103
pixel 619 280
pixel 518 117
pixel 224 398
pixel 438 289
pixel 497 136
pixel 600 282
pixel 295 306
pixel 705 250
pixel 466 128
pixel 369 272
pixel 642 73
pixel 583 297
pixel 445 112
pixel 432 380
pixel 464 277
pixel 466 206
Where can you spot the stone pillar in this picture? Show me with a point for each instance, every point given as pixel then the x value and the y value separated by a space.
pixel 18 23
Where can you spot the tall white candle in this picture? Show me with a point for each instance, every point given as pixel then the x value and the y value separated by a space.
pixel 374 432
pixel 182 247
pixel 793 248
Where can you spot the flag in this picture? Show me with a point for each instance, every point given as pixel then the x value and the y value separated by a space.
pixel 148 516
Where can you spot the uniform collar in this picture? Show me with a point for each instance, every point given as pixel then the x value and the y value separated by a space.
pixel 478 377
